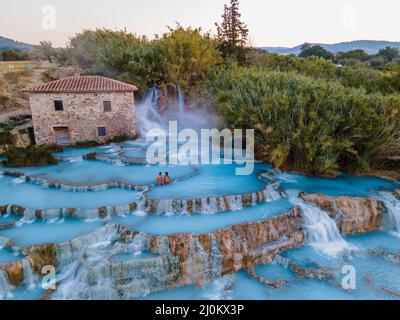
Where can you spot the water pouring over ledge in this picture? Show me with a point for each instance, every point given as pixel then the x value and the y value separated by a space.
pixel 322 232
pixel 151 114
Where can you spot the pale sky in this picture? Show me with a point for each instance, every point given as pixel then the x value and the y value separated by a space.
pixel 271 22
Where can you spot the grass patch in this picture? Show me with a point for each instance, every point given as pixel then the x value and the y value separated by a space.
pixel 86 144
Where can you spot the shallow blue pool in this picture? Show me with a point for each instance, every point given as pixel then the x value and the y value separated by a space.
pixel 8 255
pixel 39 232
pixel 343 185
pixel 16 191
pixel 203 223
pixel 92 172
pixel 213 180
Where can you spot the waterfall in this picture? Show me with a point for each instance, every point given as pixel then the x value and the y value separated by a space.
pixel 393 209
pixel 29 278
pixel 216 259
pixel 4 241
pixel 5 290
pixel 271 193
pixel 212 205
pixel 181 103
pixel 78 281
pixel 322 231
pixel 147 114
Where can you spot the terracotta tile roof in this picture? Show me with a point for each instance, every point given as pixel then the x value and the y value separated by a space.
pixel 83 84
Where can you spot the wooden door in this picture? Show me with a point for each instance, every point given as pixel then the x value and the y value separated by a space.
pixel 62 135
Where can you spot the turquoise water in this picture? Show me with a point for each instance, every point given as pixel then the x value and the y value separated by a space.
pixel 213 180
pixel 91 172
pixel 76 152
pixel 9 218
pixel 343 185
pixel 374 272
pixel 8 255
pixel 372 275
pixel 130 221
pixel 24 293
pixel 40 232
pixel 382 240
pixel 203 223
pixel 18 192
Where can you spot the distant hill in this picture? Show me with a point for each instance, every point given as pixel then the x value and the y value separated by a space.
pixel 6 43
pixel 369 46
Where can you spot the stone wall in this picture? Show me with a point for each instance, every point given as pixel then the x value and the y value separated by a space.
pixel 83 113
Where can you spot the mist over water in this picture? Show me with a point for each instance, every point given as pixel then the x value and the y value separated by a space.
pixel 151 115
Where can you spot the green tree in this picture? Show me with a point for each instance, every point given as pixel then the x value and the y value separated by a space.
pixel 9 55
pixel 315 51
pixel 389 53
pixel 190 55
pixel 83 48
pixel 135 60
pixel 232 33
pixel 45 51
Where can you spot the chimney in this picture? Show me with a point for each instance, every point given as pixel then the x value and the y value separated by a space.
pixel 77 73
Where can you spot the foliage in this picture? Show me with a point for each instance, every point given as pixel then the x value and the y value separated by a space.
pixel 6 138
pixel 9 55
pixel 308 50
pixel 181 56
pixel 86 144
pixel 14 122
pixel 132 59
pixel 386 81
pixel 315 126
pixel 30 156
pixel 190 55
pixel 232 33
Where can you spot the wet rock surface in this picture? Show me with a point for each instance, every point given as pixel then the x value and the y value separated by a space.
pixel 353 215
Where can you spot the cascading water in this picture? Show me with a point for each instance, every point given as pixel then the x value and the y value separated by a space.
pixel 5 290
pixel 147 114
pixel 181 103
pixel 29 278
pixel 322 231
pixel 393 207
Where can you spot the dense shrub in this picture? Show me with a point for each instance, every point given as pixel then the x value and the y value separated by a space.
pixel 180 56
pixel 30 156
pixel 6 138
pixel 384 81
pixel 316 126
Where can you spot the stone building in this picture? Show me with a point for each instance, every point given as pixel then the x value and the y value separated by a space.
pixel 82 108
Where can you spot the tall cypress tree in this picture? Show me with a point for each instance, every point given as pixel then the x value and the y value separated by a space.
pixel 232 33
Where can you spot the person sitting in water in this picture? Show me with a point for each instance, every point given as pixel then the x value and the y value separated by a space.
pixel 167 179
pixel 160 180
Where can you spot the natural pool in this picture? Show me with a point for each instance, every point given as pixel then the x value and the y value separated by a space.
pixel 374 272
pixel 16 191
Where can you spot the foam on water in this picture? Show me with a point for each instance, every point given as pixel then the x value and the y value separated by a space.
pixel 203 223
pixel 322 231
pixel 393 209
